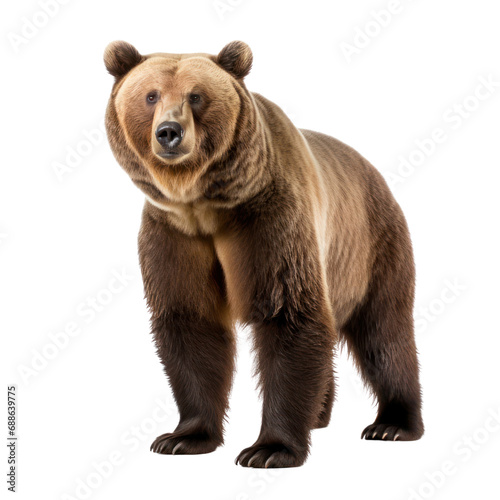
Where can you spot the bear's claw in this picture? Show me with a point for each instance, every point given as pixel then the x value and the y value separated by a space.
pixel 268 456
pixel 388 432
pixel 174 444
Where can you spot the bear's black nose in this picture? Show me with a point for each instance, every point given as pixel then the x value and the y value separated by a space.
pixel 169 134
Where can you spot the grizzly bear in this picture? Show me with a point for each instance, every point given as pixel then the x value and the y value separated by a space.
pixel 250 220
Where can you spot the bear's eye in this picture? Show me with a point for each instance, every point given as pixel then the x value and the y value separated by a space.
pixel 194 98
pixel 152 97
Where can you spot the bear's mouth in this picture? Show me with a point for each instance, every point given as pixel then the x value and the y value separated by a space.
pixel 170 154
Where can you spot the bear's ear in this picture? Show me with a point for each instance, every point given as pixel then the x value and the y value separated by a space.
pixel 120 58
pixel 236 58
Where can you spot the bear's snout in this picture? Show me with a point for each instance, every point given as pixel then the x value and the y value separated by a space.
pixel 169 135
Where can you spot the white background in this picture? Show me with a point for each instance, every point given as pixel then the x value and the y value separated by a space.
pixel 62 237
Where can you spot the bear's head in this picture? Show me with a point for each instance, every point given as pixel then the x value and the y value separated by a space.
pixel 172 117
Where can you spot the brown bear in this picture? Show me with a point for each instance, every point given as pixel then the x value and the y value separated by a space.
pixel 248 219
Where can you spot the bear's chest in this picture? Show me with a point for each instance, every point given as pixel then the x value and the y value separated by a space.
pixel 194 219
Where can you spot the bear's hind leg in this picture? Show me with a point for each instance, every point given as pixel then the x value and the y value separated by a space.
pixel 381 340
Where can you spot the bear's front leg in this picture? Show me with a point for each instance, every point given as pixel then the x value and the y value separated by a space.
pixel 197 355
pixel 193 334
pixel 276 284
pixel 294 360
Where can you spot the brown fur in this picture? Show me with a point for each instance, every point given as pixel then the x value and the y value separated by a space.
pixel 289 231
